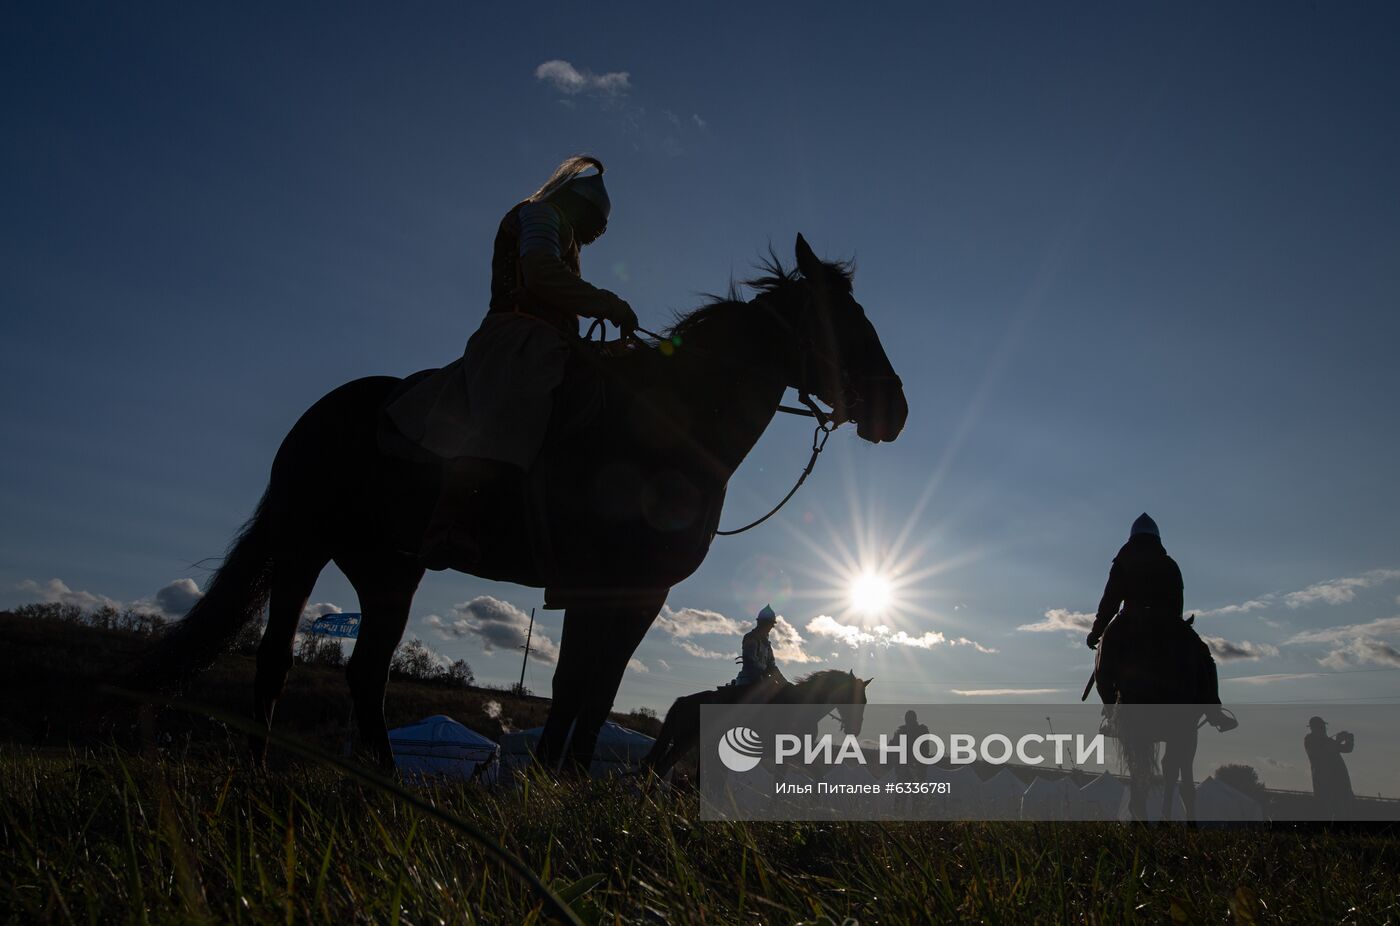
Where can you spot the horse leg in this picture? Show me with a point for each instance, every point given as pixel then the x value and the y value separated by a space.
pixel 625 631
pixel 678 734
pixel 1170 771
pixel 385 586
pixel 292 583
pixel 659 749
pixel 1187 765
pixel 577 645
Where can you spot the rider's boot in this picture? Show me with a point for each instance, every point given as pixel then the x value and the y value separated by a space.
pixel 467 488
pixel 1217 716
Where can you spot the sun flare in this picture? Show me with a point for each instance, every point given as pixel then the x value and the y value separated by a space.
pixel 871 593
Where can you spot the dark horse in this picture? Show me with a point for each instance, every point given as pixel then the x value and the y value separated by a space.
pixel 616 511
pixel 845 691
pixel 1160 670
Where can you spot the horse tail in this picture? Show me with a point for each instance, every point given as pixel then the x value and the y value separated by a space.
pixel 236 595
pixel 1135 743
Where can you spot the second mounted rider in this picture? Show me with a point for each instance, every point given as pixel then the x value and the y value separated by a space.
pixel 759 672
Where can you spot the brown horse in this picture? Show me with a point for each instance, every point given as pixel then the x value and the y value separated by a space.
pixel 619 507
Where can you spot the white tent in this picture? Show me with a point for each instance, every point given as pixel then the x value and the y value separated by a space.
pixel 439 747
pixel 1154 805
pixel 619 749
pixel 965 794
pixel 1098 800
pixel 1215 800
pixel 1048 798
pixel 999 798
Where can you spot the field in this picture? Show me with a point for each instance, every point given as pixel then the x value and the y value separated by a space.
pixel 108 836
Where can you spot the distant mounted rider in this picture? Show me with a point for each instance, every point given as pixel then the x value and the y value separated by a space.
pixel 1145 589
pixel 486 415
pixel 760 668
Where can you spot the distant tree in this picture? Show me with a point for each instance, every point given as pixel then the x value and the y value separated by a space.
pixel 415 660
pixel 519 690
pixel 317 649
pixel 51 610
pixel 459 674
pixel 1243 778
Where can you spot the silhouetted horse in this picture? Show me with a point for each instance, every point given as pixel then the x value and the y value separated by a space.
pixel 680 733
pixel 615 512
pixel 1159 668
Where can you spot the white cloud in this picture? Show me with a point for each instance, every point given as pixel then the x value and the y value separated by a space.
pixel 1061 619
pixel 700 124
pixel 1226 650
pixel 320 609
pixel 1001 692
pixel 1274 678
pixel 698 651
pixel 496 625
pixel 1378 628
pixel 636 665
pixel 856 636
pixel 693 622
pixel 55 591
pixel 1365 651
pixel 177 598
pixel 1254 604
pixel 788 644
pixel 1339 591
pixel 566 78
pixel 665 666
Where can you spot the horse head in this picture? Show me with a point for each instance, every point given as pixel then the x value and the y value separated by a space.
pixel 849 696
pixel 842 361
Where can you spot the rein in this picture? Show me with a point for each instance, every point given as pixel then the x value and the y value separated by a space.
pixel 826 423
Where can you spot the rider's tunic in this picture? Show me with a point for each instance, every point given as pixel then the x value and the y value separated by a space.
pixel 758 658
pixel 494 401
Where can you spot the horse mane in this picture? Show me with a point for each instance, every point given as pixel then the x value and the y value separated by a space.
pixel 773 279
pixel 823 675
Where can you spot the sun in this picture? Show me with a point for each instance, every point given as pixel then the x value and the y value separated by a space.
pixel 871 593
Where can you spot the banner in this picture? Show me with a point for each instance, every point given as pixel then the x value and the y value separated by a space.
pixel 1048 762
pixel 337 625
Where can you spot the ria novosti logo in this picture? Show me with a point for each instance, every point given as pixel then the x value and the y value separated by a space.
pixel 740 749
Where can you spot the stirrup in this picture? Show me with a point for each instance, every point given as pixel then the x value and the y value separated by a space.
pixel 1224 721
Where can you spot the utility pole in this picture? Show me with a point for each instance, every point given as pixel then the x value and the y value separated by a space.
pixel 523 659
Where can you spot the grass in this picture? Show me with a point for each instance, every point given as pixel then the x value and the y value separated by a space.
pixel 107 836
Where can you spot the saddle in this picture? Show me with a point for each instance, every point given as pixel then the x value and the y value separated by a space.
pixel 1164 656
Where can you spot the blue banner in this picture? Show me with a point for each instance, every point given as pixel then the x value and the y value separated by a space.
pixel 337 625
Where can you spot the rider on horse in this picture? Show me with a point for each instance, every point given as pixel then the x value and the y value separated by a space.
pixel 486 415
pixel 1147 583
pixel 760 671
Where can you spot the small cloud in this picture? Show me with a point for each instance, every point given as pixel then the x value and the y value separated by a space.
pixel 700 124
pixel 1360 653
pixel 496 625
pixel 1384 626
pixel 1001 692
pixel 698 651
pixel 1274 678
pixel 177 598
pixel 880 635
pixel 1339 591
pixel 55 591
pixel 1226 650
pixel 694 622
pixel 788 644
pixel 665 666
pixel 1254 604
pixel 1061 619
pixel 636 665
pixel 564 77
pixel 320 609
pixel 856 636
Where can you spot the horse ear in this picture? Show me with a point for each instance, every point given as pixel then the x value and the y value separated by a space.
pixel 807 261
pixel 869 680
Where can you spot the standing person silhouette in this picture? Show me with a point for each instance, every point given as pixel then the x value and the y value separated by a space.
pixel 1331 780
pixel 911 730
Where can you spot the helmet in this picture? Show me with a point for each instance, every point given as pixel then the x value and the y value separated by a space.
pixel 1145 525
pixel 766 616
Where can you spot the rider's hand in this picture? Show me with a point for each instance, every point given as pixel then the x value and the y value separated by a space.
pixel 1092 641
pixel 621 315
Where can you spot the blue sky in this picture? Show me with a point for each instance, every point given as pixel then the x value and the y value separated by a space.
pixel 1125 258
